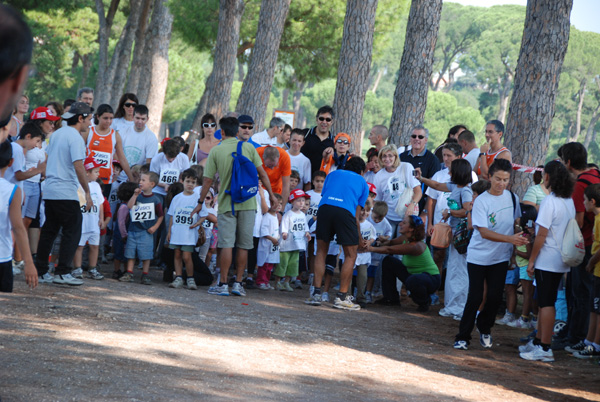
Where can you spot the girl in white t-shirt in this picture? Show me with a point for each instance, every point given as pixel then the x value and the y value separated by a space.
pixel 556 210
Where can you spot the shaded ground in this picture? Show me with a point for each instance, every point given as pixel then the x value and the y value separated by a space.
pixel 119 341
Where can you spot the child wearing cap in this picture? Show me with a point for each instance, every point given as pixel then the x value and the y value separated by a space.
pixel 372 192
pixel 336 158
pixel 294 235
pixel 92 222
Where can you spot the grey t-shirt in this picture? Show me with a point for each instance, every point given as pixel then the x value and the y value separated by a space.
pixel 460 195
pixel 66 146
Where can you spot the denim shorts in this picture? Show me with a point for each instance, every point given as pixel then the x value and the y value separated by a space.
pixel 141 243
pixel 512 277
pixel 32 199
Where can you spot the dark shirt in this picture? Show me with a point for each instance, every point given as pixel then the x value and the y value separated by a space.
pixel 429 165
pixel 313 148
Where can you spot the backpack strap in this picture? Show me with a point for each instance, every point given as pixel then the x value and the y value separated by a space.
pixel 514 202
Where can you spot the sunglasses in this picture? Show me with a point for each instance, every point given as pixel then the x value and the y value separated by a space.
pixel 343 142
pixel 247 127
pixel 417 136
pixel 327 119
pixel 129 105
pixel 207 125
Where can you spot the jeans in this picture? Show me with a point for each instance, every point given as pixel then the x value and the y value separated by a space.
pixel 420 286
pixel 63 214
pixel 495 276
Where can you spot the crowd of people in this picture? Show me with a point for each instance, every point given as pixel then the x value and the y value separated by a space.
pixel 96 185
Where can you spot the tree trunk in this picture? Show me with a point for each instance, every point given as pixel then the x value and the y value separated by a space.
pixel 299 119
pixel 581 95
pixel 240 71
pixel 177 129
pixel 284 98
pixel 354 68
pixel 543 48
pixel 105 25
pixel 256 88
pixel 377 80
pixel 86 62
pixel 590 134
pixel 504 92
pixel 218 86
pixel 140 46
pixel 160 32
pixel 410 97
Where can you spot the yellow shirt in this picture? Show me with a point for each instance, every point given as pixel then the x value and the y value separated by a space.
pixel 596 244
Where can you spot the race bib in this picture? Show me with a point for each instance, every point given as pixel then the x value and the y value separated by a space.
pixel 183 217
pixel 103 158
pixel 112 197
pixel 298 230
pixel 206 224
pixel 395 187
pixel 93 209
pixel 169 176
pixel 313 209
pixel 142 213
pixel 274 248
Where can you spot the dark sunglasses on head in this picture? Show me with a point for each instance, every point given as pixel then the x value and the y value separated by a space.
pixel 343 142
pixel 417 136
pixel 130 105
pixel 327 119
pixel 247 127
pixel 207 125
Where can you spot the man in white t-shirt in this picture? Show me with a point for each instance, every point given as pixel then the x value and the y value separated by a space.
pixel 139 142
pixel 270 135
pixel 471 152
pixel 299 162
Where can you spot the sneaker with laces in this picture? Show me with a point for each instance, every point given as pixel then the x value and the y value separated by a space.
pixel 298 284
pixel 485 340
pixel 520 323
pixel 325 297
pixel 126 277
pixel 279 286
pixel 95 274
pixel 219 290
pixel 77 273
pixel 587 353
pixel 264 286
pixel 238 290
pixel 461 345
pixel 435 299
pixel 314 300
pixel 46 278
pixel 287 287
pixel 145 280
pixel 117 274
pixel 191 284
pixel 445 313
pixel 177 283
pixel 18 264
pixel 528 347
pixel 368 298
pixel 16 271
pixel 507 319
pixel 345 304
pixel 457 317
pixel 578 347
pixel 67 279
pixel 538 353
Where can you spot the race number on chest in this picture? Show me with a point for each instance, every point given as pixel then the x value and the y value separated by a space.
pixel 169 176
pixel 143 213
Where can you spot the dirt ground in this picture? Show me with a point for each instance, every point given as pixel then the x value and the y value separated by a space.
pixel 108 340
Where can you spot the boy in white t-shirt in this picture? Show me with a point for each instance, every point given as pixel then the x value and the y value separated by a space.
pixel 180 236
pixel 318 181
pixel 168 165
pixel 363 258
pixel 91 223
pixel 383 232
pixel 268 246
pixel 294 235
pixel 298 160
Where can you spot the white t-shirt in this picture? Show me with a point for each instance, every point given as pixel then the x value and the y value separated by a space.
pixel 18 165
pixel 180 212
pixel 382 228
pixel 315 199
pixel 259 215
pixel 262 138
pixel 120 124
pixel 441 198
pixel 368 232
pixel 496 213
pixel 370 177
pixel 138 147
pixel 206 224
pixel 390 187
pixel 554 215
pixel 295 225
pixel 32 158
pixel 301 164
pixel 168 172
pixel 91 218
pixel 472 157
pixel 267 252
pixel 7 191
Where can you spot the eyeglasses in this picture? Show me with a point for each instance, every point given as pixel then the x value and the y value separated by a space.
pixel 247 127
pixel 327 119
pixel 129 105
pixel 346 142
pixel 207 125
pixel 417 136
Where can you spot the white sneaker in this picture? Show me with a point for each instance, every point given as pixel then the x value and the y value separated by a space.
pixel 520 323
pixel 298 284
pixel 538 353
pixel 67 279
pixel 264 286
pixel 191 284
pixel 346 304
pixel 528 347
pixel 77 273
pixel 46 278
pixel 325 297
pixel 18 264
pixel 508 318
pixel 485 340
pixel 238 290
pixel 177 283
pixel 445 313
pixel 95 274
pixel 16 271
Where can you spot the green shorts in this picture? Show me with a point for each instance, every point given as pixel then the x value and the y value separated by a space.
pixel 288 264
pixel 187 248
pixel 236 230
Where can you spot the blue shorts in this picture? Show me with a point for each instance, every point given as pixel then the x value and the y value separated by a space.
pixel 141 243
pixel 523 274
pixel 372 270
pixel 512 277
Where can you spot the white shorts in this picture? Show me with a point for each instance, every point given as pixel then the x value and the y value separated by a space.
pixel 92 238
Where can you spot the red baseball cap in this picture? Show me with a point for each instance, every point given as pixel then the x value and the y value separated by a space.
pixel 372 188
pixel 116 162
pixel 162 143
pixel 91 163
pixel 297 193
pixel 43 113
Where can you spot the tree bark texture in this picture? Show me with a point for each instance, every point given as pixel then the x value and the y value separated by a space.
pixel 160 32
pixel 543 48
pixel 410 97
pixel 133 81
pixel 581 96
pixel 105 25
pixel 354 69
pixel 504 93
pixel 218 86
pixel 256 89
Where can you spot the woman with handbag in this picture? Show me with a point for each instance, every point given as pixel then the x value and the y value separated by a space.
pixel 397 186
pixel 417 271
pixel 488 255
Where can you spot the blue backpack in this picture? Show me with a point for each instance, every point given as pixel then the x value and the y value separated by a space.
pixel 244 178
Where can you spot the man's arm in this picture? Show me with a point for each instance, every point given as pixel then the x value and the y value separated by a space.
pixel 285 188
pixel 81 176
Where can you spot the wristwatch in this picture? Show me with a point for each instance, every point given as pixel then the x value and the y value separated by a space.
pixel 200 201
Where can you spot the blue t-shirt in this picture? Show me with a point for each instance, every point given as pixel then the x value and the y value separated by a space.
pixel 344 189
pixel 66 146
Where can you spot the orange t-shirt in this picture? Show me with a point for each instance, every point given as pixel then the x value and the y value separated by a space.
pixel 283 168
